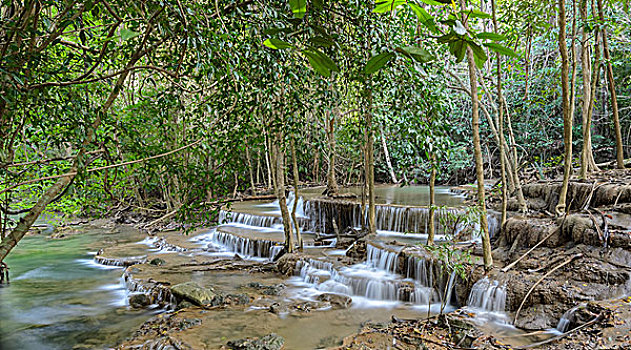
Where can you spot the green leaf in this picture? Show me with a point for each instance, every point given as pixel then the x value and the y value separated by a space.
pixel 490 36
pixel 432 2
pixel 417 53
pixel 476 13
pixel 388 5
pixel 298 7
pixel 377 62
pixel 127 34
pixel 458 49
pixel 478 54
pixel 321 41
pixel 277 44
pixel 320 62
pixel 502 50
pixel 425 18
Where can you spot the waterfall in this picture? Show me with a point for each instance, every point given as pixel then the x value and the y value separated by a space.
pixel 229 217
pixel 488 295
pixel 244 246
pixel 378 278
pixel 382 259
pixel 568 319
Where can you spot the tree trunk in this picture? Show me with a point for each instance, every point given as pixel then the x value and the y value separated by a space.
pixel 279 177
pixel 296 193
pixel 386 154
pixel 331 182
pixel 370 164
pixel 587 158
pixel 567 117
pixel 500 122
pixel 477 150
pixel 612 91
pixel 250 170
pixel 432 201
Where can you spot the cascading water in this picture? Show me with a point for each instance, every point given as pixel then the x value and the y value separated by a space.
pixel 377 279
pixel 568 319
pixel 488 296
pixel 257 248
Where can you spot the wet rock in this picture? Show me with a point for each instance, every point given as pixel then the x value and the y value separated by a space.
pixel 139 301
pixel 268 342
pixel 231 299
pixel 158 262
pixel 337 300
pixel 193 293
pixel 278 309
pixel 275 289
pixel 357 250
pixel 287 263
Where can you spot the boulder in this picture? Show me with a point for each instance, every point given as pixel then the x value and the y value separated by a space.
pixel 193 292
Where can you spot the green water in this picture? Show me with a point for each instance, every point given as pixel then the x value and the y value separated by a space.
pixel 59 299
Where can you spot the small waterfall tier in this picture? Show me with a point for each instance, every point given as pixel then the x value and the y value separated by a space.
pixel 379 278
pixel 488 296
pixel 389 218
pixel 244 246
pixel 568 319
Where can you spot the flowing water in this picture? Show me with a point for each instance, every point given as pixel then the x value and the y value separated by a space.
pixel 59 298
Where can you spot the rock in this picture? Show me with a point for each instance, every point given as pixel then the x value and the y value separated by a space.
pixel 231 299
pixel 158 262
pixel 193 293
pixel 139 301
pixel 275 289
pixel 287 263
pixel 337 300
pixel 268 342
pixel 357 250
pixel 278 309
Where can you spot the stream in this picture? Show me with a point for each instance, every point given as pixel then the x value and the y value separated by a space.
pixel 60 298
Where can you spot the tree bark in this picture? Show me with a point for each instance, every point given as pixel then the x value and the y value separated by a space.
pixel 567 117
pixel 370 163
pixel 432 202
pixel 279 183
pixel 612 91
pixel 500 122
pixel 331 182
pixel 477 150
pixel 386 154
pixel 587 157
pixel 296 176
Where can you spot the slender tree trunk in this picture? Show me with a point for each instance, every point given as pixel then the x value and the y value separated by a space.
pixel 500 121
pixel 587 158
pixel 595 78
pixel 567 117
pixel 386 154
pixel 250 169
pixel 331 182
pixel 279 182
pixel 432 202
pixel 296 176
pixel 370 163
pixel 477 150
pixel 268 160
pixel 612 91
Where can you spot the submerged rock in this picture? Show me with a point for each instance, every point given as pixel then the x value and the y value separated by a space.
pixel 268 342
pixel 193 292
pixel 139 301
pixel 336 300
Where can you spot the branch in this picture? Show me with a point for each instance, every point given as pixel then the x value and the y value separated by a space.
pixel 74 173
